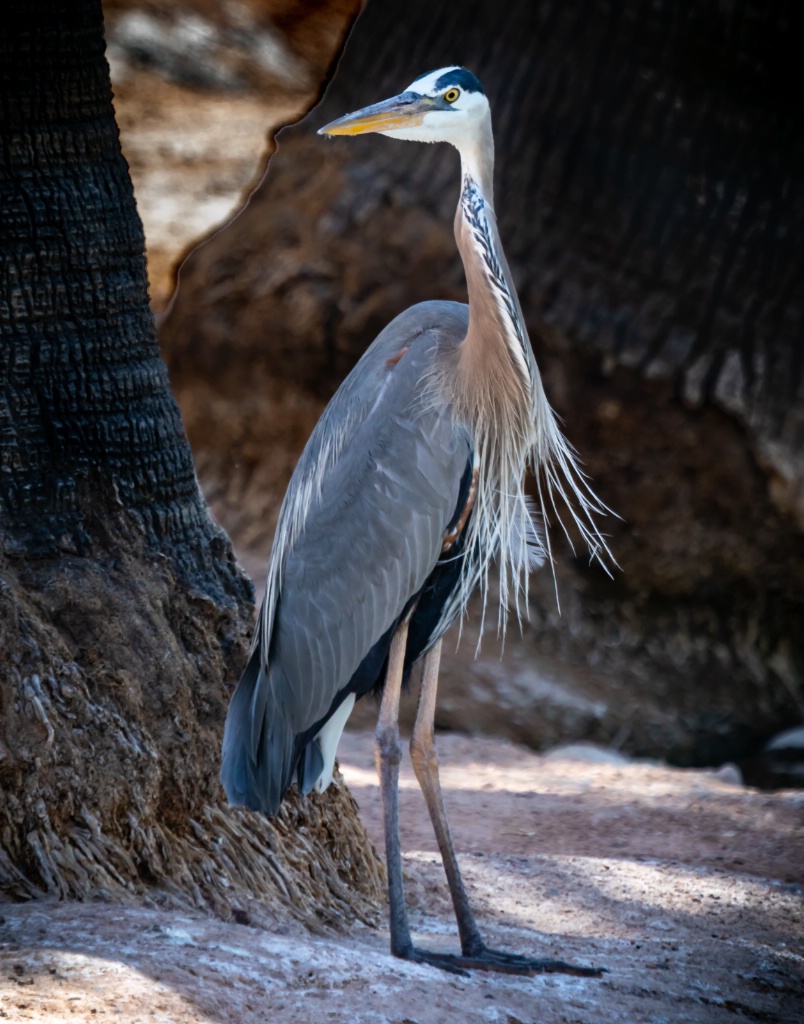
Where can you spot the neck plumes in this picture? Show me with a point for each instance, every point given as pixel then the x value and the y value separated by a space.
pixel 497 391
pixel 496 369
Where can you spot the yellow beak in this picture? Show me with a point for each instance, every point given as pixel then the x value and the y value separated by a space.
pixel 402 111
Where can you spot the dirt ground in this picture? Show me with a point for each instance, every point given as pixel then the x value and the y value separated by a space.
pixel 684 885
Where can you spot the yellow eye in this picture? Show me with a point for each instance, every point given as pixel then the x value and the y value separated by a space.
pixel 451 95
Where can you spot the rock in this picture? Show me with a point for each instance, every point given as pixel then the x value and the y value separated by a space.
pixel 790 739
pixel 780 765
pixel 590 753
pixel 729 773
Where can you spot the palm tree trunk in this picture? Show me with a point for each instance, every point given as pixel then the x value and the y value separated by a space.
pixel 124 617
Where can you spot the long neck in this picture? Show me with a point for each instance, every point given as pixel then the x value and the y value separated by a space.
pixel 495 388
pixel 496 371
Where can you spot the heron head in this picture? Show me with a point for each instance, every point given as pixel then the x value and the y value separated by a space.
pixel 447 105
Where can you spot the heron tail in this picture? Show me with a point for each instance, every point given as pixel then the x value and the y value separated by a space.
pixel 258 744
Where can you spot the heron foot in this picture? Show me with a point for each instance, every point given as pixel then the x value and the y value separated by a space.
pixel 486 959
pixel 444 961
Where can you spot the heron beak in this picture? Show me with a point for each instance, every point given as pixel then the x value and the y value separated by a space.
pixel 402 111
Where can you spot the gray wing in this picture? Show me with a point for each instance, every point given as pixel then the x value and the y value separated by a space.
pixel 361 529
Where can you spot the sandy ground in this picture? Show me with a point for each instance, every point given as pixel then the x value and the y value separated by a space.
pixel 685 886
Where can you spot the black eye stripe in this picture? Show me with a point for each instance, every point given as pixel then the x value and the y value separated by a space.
pixel 460 78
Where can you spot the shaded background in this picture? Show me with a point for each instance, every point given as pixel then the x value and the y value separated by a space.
pixel 649 191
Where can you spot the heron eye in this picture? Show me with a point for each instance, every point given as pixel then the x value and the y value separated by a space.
pixel 451 95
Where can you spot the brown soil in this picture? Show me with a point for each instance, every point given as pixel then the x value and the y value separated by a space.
pixel 685 886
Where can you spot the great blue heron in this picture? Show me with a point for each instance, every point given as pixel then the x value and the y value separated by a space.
pixel 409 488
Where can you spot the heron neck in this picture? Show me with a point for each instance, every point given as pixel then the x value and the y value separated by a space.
pixel 495 355
pixel 477 161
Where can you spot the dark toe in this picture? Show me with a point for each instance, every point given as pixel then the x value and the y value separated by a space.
pixel 497 960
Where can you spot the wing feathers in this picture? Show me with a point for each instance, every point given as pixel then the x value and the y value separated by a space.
pixel 360 531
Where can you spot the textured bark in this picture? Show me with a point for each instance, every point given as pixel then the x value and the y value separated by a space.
pixel 124 617
pixel 650 194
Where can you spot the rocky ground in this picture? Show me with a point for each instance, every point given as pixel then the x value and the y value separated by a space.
pixel 684 885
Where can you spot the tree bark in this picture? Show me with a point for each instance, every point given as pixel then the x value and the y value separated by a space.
pixel 651 199
pixel 124 617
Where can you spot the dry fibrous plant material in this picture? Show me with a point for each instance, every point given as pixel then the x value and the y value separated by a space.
pixel 112 709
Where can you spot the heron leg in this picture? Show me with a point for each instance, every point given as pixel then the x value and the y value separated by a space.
pixel 388 753
pixel 475 954
pixel 425 764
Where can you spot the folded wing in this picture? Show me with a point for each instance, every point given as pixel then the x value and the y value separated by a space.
pixel 360 531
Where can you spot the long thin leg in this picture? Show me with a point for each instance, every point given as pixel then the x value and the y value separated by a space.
pixel 425 763
pixel 388 753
